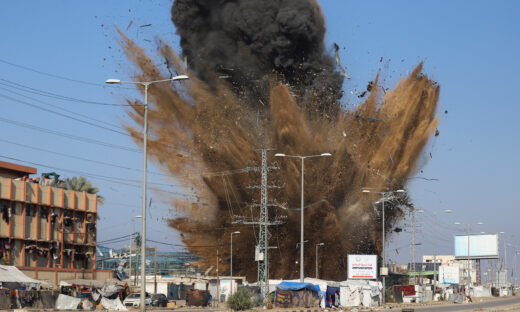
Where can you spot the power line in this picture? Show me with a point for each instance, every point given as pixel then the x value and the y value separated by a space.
pixel 57 96
pixel 61 108
pixel 64 115
pixel 83 121
pixel 187 246
pixel 56 76
pixel 82 158
pixel 91 174
pixel 75 157
pixel 116 238
pixel 100 177
pixel 70 136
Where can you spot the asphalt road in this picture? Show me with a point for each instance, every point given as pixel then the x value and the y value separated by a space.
pixel 466 306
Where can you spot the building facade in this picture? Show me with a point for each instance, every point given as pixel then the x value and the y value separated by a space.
pixel 47 232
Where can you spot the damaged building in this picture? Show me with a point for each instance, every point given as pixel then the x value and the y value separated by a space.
pixel 48 232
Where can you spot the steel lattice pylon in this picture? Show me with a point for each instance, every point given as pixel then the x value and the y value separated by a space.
pixel 264 223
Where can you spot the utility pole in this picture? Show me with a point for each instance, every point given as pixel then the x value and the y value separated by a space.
pixel 218 283
pixel 130 250
pixel 155 272
pixel 317 245
pixel 412 248
pixel 505 259
pixel 264 223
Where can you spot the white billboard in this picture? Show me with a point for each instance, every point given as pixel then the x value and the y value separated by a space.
pixel 449 274
pixel 476 246
pixel 362 266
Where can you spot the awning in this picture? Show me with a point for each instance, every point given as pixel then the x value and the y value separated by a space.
pixel 11 274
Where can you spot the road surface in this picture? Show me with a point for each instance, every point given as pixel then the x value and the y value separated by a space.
pixel 465 307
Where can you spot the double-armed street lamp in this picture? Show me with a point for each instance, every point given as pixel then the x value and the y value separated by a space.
pixel 302 202
pixel 385 196
pixel 146 84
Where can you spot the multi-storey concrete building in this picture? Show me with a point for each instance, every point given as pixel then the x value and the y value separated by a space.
pixel 47 232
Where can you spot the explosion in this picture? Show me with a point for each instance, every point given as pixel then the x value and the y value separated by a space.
pixel 260 77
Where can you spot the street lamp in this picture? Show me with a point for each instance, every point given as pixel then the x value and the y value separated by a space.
pixel 231 260
pixel 384 197
pixel 320 244
pixel 435 267
pixel 302 206
pixel 130 248
pixel 146 84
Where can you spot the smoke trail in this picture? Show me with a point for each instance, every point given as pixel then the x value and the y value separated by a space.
pixel 215 125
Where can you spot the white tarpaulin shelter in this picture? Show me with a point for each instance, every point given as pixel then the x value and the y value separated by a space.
pixel 360 293
pixel 479 291
pixel 113 305
pixel 65 302
pixel 11 274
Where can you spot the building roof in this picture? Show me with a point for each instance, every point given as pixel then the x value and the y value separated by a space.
pixel 15 169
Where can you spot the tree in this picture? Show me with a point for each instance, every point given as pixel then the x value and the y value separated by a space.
pixel 81 184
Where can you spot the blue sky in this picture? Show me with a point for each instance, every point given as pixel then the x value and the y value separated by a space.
pixel 469 47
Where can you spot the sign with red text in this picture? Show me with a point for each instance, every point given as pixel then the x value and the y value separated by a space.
pixel 362 266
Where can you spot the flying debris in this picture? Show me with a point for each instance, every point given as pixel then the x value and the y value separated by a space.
pixel 338 61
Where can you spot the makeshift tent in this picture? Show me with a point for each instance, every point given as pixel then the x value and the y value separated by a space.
pixel 113 304
pixel 479 291
pixel 360 293
pixel 65 302
pixel 295 294
pixel 12 278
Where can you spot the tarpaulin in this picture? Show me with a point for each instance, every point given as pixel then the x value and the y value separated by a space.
pixel 297 294
pixel 304 298
pixel 11 274
pixel 113 305
pixel 110 291
pixel 360 293
pixel 408 290
pixel 65 302
pixel 299 286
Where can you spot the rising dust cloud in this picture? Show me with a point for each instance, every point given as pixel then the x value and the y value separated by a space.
pixel 260 77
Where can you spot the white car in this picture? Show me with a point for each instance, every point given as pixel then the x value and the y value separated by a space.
pixel 134 300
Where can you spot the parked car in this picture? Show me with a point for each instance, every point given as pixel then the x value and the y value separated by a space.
pixel 159 300
pixel 134 300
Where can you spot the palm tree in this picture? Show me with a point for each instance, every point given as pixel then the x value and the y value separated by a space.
pixel 81 184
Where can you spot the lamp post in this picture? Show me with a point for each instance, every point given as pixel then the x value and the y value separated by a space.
pixel 302 202
pixel 130 247
pixel 384 197
pixel 231 260
pixel 435 267
pixel 145 84
pixel 320 244
pixel 515 274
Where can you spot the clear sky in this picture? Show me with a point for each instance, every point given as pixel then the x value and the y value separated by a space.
pixel 469 47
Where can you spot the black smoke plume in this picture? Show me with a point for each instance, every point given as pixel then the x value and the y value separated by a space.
pixel 250 41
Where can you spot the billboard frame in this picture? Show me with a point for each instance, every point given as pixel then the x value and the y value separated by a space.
pixel 469 257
